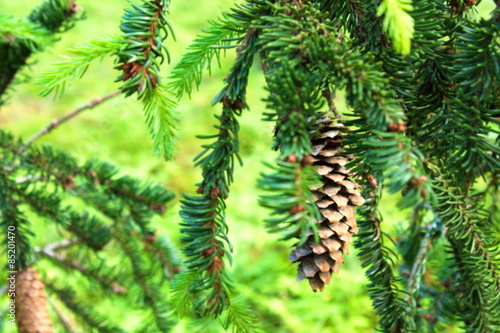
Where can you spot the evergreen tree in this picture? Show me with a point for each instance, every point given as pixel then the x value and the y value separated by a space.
pixel 421 82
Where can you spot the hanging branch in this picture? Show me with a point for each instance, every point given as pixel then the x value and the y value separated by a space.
pixel 473 245
pixel 145 27
pixel 375 256
pixel 205 285
pixel 201 52
pixel 470 112
pixel 295 109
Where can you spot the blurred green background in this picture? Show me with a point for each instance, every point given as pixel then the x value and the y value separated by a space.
pixel 116 132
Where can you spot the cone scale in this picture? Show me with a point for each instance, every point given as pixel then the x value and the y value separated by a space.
pixel 32 315
pixel 336 199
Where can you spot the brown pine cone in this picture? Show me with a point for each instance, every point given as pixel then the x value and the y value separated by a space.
pixel 336 199
pixel 32 315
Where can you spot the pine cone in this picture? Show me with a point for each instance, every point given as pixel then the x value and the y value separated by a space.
pixel 336 199
pixel 32 315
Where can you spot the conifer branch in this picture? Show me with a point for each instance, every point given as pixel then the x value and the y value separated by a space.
pixel 52 15
pixel 105 277
pixel 204 228
pixel 145 27
pixel 60 75
pixel 398 24
pixel 144 276
pixel 83 311
pixel 200 54
pixel 225 33
pixel 12 219
pixel 387 299
pixel 478 80
pixel 23 32
pixel 161 118
pixel 56 122
pixel 474 249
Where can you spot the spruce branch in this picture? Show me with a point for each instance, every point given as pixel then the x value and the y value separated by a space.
pixel 215 39
pixel 102 275
pixel 57 15
pixel 239 317
pixel 473 245
pixel 60 75
pixel 478 80
pixel 144 275
pixel 52 15
pixel 145 27
pixel 205 285
pixel 387 299
pixel 23 32
pixel 181 291
pixel 159 110
pixel 398 24
pixel 56 122
pixel 225 33
pixel 83 311
pixel 13 222
pixel 205 229
pixel 293 215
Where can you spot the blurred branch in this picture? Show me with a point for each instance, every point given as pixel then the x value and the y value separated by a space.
pixel 62 319
pixel 52 248
pixel 56 122
pixel 50 252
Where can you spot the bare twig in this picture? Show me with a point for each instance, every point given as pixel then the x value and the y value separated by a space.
pixel 52 248
pixel 419 264
pixel 56 122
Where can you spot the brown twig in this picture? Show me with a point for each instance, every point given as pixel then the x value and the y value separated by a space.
pixel 62 319
pixel 56 122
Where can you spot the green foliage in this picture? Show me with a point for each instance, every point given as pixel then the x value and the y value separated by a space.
pixel 239 317
pixel 291 185
pixel 474 247
pixel 60 75
pixel 420 82
pixel 118 210
pixel 377 258
pixel 161 118
pixel 57 15
pixel 145 27
pixel 85 312
pixel 205 228
pixel 398 23
pixel 20 38
pixel 24 32
pixel 399 108
pixel 200 56
pixel 139 52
